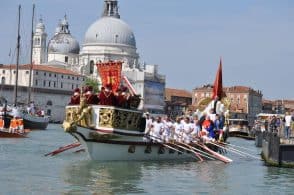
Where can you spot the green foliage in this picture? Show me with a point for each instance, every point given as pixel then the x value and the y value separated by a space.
pixel 94 83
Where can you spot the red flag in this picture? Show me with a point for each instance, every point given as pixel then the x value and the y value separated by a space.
pixel 218 83
pixel 110 73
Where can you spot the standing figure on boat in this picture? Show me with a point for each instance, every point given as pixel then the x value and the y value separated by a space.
pixel 75 98
pixel 219 126
pixel 91 98
pixel 106 96
pixel 122 97
pixel 31 108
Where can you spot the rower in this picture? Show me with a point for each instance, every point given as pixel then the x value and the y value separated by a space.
pixel 2 123
pixel 13 125
pixel 20 125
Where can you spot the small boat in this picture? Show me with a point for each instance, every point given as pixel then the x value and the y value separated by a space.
pixel 30 121
pixel 238 128
pixel 6 134
pixel 34 122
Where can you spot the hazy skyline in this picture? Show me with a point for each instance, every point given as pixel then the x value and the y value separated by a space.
pixel 185 38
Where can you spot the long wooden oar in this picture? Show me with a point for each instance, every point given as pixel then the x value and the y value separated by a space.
pixel 168 146
pixel 232 146
pixel 244 154
pixel 188 149
pixel 215 154
pixel 64 148
pixel 204 154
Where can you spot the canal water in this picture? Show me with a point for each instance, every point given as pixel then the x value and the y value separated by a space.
pixel 25 170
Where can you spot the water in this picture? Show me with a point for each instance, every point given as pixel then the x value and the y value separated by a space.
pixel 25 170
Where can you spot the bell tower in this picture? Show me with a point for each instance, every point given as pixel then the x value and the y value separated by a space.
pixel 39 44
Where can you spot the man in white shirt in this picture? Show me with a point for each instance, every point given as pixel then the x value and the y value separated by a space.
pixel 288 119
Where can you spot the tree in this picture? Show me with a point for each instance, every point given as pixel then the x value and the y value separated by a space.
pixel 94 83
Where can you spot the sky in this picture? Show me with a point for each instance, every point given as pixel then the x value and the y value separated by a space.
pixel 186 38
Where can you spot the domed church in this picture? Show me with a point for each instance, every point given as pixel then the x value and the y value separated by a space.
pixel 108 38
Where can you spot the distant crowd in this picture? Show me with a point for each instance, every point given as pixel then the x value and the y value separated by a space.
pixel 283 125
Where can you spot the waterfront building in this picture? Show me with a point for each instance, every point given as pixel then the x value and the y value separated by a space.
pixel 51 87
pixel 109 38
pixel 177 101
pixel 242 99
pixel 278 106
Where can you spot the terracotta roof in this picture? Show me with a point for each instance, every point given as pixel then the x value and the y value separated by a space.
pixel 264 101
pixel 169 92
pixel 238 89
pixel 41 68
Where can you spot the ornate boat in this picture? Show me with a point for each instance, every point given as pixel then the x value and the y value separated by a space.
pixel 111 133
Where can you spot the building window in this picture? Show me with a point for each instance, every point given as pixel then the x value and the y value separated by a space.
pixel 72 86
pixel 54 84
pixel 49 74
pixel 91 67
pixel 62 76
pixel 49 112
pixel 27 72
pixel 36 82
pixel 54 75
pixel 44 83
pixel 14 72
pixel 3 80
pixel 44 73
pixel 66 59
pixel 61 85
pixel 83 78
pixel 49 83
pixel 68 77
pixel 77 78
pixel 37 72
pixel 3 71
pixel 49 103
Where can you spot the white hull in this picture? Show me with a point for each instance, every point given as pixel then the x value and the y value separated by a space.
pixel 122 149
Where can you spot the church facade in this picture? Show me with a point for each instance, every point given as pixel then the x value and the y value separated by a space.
pixel 108 39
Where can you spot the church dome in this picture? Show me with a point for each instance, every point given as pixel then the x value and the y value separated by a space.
pixel 110 30
pixel 63 43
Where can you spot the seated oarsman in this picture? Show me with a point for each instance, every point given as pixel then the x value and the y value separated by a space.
pixel 167 128
pixel 20 127
pixel 106 96
pixel 187 130
pixel 91 98
pixel 157 130
pixel 178 130
pixel 2 123
pixel 13 125
pixel 195 128
pixel 75 98
pixel 207 131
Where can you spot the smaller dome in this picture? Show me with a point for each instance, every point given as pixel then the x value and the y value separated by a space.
pixel 63 43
